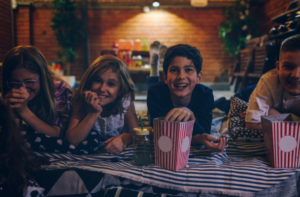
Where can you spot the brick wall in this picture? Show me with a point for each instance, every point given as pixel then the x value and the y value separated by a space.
pixel 195 26
pixel 23 28
pixel 6 38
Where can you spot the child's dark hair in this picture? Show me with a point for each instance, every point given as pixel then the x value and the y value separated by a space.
pixel 291 44
pixel 98 67
pixel 17 166
pixel 183 50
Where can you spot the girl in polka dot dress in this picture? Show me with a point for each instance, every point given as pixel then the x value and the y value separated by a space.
pixel 103 112
pixel 40 101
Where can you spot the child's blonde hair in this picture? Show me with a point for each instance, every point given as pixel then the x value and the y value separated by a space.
pixel 97 68
pixel 30 58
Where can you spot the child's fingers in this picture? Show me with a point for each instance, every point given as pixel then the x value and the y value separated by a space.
pixel 20 91
pixel 213 147
pixel 95 99
pixel 175 115
pixel 14 100
pixel 181 116
pixel 108 140
pixel 211 138
pixel 221 145
pixel 108 147
pixel 14 95
pixel 90 98
pixel 187 117
pixel 167 117
pixel 14 106
pixel 114 151
pixel 86 94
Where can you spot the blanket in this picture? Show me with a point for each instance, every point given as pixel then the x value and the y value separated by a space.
pixel 242 170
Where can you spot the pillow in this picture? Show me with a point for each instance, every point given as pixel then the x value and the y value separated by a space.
pixel 236 124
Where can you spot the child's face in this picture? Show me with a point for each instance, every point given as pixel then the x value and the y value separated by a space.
pixel 182 78
pixel 289 72
pixel 23 74
pixel 107 87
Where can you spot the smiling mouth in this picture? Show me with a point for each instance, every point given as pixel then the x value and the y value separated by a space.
pixel 294 82
pixel 102 97
pixel 182 85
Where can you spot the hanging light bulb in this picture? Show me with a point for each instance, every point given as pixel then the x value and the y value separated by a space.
pixel 155 3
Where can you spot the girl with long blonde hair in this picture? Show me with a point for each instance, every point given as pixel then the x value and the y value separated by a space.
pixel 103 110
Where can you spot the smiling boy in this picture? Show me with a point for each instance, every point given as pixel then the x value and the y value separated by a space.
pixel 181 98
pixel 278 91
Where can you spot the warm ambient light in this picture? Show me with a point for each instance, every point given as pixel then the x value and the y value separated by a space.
pixel 199 3
pixel 146 9
pixel 155 4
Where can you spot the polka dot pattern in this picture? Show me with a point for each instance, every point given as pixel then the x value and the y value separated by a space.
pixel 236 124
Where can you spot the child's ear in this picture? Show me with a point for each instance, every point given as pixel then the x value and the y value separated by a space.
pixel 277 65
pixel 199 77
pixel 165 78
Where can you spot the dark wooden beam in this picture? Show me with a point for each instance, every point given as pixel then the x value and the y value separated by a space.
pixel 140 5
pixel 86 47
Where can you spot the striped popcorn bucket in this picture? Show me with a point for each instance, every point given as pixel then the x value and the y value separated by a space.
pixel 282 140
pixel 172 143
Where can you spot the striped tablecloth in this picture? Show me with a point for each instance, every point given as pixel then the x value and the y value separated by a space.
pixel 240 171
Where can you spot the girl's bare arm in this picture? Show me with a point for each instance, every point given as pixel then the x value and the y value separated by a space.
pixel 17 100
pixel 80 127
pixel 38 125
pixel 116 145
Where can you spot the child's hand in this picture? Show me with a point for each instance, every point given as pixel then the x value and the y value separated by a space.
pixel 182 114
pixel 207 140
pixel 17 99
pixel 114 145
pixel 92 100
pixel 243 115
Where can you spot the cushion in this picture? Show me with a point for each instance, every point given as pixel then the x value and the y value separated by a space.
pixel 236 124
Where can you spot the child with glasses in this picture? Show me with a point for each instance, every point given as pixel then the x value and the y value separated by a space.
pixel 38 99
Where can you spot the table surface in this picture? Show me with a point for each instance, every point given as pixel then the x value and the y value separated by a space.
pixel 240 171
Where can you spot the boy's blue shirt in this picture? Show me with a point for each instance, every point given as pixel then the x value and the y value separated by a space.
pixel 159 104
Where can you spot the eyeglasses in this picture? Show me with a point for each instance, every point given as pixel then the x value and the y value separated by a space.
pixel 26 84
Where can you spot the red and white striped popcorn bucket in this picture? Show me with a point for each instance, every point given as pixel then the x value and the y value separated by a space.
pixel 282 140
pixel 172 141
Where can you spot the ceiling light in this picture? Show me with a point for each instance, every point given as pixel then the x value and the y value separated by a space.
pixel 199 3
pixel 155 4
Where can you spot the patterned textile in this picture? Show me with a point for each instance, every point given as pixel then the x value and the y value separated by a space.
pixel 63 95
pixel 110 126
pixel 33 190
pixel 71 183
pixel 240 171
pixel 123 192
pixel 236 124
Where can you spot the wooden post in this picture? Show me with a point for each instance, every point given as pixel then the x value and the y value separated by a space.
pixel 86 50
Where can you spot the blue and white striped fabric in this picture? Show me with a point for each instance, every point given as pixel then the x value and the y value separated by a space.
pixel 240 171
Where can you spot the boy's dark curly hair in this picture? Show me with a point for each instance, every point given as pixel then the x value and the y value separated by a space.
pixel 17 166
pixel 183 50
